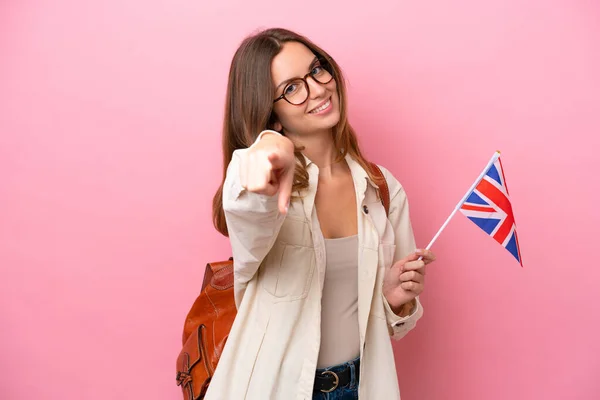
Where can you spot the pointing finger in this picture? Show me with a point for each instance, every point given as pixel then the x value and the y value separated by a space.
pixel 285 190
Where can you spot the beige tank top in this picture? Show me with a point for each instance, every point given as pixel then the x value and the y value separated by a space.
pixel 340 340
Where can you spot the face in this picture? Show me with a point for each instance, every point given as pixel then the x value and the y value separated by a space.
pixel 321 110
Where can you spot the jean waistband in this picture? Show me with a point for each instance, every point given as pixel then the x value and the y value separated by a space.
pixel 340 367
pixel 344 375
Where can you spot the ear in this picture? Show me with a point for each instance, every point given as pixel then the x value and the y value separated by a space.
pixel 274 123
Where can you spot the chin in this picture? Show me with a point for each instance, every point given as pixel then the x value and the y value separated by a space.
pixel 333 122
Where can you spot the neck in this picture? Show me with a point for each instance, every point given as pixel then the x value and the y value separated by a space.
pixel 320 149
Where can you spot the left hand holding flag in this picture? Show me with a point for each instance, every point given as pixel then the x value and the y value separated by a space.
pixel 405 280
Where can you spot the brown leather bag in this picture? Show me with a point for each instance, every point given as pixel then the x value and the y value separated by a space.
pixel 206 330
pixel 209 321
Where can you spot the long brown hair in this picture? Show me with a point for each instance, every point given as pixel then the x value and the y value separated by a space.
pixel 249 107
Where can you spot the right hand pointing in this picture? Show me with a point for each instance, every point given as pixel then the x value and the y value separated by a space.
pixel 268 167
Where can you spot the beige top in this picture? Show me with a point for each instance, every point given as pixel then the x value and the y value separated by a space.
pixel 340 340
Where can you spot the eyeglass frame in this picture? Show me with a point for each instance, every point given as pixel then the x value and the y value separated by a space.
pixel 323 62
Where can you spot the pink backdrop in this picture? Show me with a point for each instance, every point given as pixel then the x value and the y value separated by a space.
pixel 110 117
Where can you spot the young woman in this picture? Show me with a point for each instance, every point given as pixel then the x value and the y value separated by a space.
pixel 323 277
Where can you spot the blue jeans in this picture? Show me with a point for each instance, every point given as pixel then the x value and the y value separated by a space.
pixel 347 392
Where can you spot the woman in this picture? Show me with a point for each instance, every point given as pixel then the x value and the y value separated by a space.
pixel 322 277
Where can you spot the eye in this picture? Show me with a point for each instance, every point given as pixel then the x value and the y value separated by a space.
pixel 291 88
pixel 317 69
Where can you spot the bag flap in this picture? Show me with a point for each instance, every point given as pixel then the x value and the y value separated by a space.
pixel 191 353
pixel 192 374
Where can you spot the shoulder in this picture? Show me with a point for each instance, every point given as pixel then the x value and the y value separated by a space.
pixel 393 183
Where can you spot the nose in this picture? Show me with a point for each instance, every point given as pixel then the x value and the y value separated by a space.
pixel 316 89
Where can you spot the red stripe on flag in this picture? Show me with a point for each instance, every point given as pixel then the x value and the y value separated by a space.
pixel 477 208
pixel 497 197
pixel 518 248
pixel 503 178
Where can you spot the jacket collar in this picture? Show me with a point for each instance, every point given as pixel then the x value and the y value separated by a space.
pixel 359 175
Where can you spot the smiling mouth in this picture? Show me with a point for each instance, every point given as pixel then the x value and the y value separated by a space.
pixel 321 107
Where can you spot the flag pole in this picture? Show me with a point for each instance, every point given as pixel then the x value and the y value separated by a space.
pixel 460 203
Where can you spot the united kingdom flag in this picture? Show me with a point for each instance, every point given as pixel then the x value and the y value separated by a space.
pixel 488 206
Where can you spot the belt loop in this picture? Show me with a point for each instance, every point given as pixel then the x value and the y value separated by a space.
pixel 352 375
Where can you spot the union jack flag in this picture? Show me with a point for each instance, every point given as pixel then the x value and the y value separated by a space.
pixel 488 206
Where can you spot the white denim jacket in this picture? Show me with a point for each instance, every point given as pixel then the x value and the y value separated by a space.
pixel 279 269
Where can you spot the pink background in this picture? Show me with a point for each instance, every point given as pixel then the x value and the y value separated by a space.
pixel 110 118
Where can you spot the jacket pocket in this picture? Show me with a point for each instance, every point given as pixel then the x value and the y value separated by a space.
pixel 287 272
pixel 295 231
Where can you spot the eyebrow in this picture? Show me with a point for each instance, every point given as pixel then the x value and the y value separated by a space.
pixel 310 67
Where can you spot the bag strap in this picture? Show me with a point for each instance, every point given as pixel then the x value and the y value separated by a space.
pixel 384 190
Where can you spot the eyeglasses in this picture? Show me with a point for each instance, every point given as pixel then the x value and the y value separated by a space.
pixel 297 91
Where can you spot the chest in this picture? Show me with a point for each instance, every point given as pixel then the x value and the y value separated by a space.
pixel 335 203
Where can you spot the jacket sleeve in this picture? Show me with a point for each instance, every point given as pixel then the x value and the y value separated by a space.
pixel 405 244
pixel 253 221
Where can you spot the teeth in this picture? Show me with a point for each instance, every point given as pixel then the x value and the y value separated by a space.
pixel 324 106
